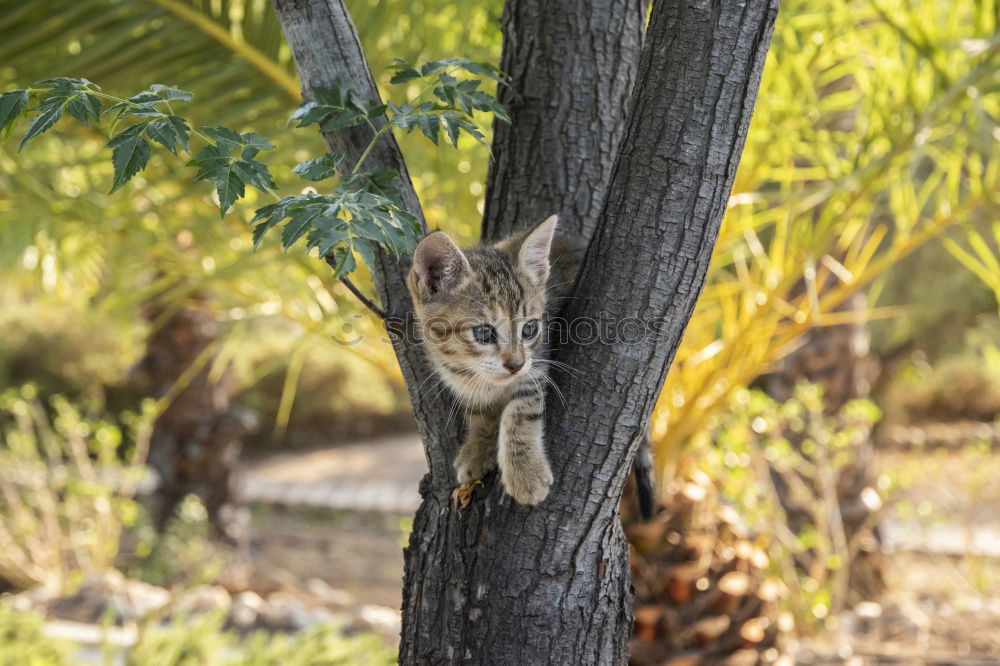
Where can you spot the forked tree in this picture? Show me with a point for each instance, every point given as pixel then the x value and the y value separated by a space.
pixel 631 132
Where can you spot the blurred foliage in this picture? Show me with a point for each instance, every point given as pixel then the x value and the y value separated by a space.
pixel 184 556
pixel 196 641
pixel 755 441
pixel 980 255
pixel 59 351
pixel 23 642
pixel 957 388
pixel 68 246
pixel 67 482
pixel 874 132
pixel 202 640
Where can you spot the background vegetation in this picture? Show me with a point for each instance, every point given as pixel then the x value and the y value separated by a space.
pixel 871 172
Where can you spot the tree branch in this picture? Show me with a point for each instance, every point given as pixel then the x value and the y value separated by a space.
pixel 510 584
pixel 383 315
pixel 550 584
pixel 325 47
pixel 573 65
pixel 648 260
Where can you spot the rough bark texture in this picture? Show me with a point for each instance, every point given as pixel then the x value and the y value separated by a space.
pixel 506 584
pixel 500 583
pixel 573 65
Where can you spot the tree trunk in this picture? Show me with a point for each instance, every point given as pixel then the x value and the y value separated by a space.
pixel 573 66
pixel 503 583
pixel 196 441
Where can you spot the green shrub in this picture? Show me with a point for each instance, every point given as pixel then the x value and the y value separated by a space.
pixel 67 482
pixel 201 640
pixel 22 642
pixel 757 444
pixel 184 555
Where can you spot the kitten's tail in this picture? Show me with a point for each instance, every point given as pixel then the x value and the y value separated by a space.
pixel 642 468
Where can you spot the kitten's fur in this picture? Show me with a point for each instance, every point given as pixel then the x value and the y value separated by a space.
pixel 459 294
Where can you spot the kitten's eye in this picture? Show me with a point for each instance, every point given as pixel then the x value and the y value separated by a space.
pixel 484 334
pixel 530 329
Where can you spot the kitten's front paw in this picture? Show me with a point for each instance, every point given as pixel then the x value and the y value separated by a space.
pixel 474 463
pixel 527 478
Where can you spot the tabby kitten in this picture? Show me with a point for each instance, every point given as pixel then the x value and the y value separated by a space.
pixel 481 313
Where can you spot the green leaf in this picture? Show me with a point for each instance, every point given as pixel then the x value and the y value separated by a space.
pixel 454 124
pixel 485 69
pixel 11 105
pixel 407 117
pixel 335 108
pixel 308 113
pixel 297 226
pixel 130 155
pixel 232 173
pixel 169 132
pixel 128 134
pixel 343 261
pixel 327 234
pixel 464 95
pixel 373 109
pixel 142 105
pixel 320 168
pixel 382 182
pixel 84 107
pixel 355 217
pixel 404 71
pixel 215 164
pixel 430 121
pixel 366 251
pixel 430 125
pixel 65 85
pixel 254 173
pixel 171 94
pixel 224 135
pixel 49 112
pixel 342 120
pixel 265 218
pixel 256 142
pixel 435 66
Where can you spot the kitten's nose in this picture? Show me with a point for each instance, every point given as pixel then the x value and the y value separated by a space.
pixel 513 365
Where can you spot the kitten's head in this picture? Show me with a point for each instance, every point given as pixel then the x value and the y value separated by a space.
pixel 480 310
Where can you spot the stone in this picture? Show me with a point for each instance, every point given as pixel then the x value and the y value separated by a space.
pixel 246 609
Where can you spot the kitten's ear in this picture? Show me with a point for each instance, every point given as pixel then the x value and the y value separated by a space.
pixel 439 265
pixel 533 256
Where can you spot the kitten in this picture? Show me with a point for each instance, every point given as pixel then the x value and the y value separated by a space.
pixel 482 312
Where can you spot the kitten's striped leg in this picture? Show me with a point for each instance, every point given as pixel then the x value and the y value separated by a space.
pixel 524 470
pixel 478 453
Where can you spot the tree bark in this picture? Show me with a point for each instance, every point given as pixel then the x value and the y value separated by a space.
pixel 500 583
pixel 573 66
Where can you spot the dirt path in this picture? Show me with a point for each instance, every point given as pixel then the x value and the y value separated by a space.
pixel 374 475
